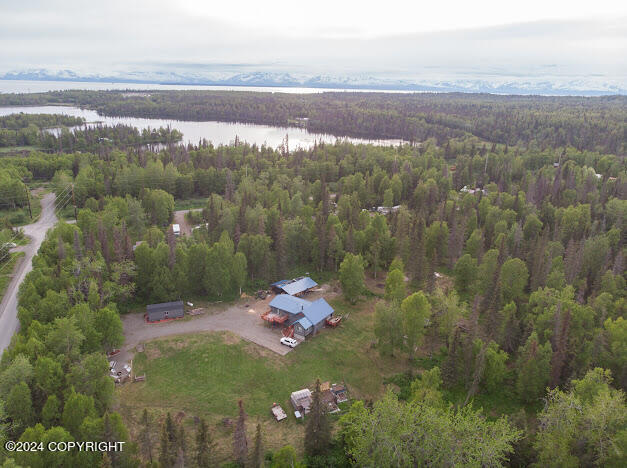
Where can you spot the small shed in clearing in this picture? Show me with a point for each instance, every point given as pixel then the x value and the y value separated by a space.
pixel 165 310
pixel 301 400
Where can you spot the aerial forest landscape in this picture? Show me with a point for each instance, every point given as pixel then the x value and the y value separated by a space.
pixel 323 272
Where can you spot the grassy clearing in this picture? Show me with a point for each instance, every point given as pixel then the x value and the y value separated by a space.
pixel 190 203
pixel 205 374
pixel 21 216
pixel 18 149
pixel 7 272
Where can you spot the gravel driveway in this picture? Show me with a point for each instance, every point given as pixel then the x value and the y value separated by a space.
pixel 243 321
pixel 179 218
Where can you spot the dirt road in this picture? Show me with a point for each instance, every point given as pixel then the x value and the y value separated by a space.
pixel 9 323
pixel 179 218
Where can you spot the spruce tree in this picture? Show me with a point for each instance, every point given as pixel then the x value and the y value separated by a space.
pixel 106 461
pixel 318 430
pixel 203 445
pixel 417 261
pixel 240 442
pixel 180 446
pixel 257 459
pixel 145 437
pixel 168 450
pixel 281 248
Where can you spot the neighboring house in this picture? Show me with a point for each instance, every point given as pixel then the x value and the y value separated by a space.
pixel 388 209
pixel 473 191
pixel 306 317
pixel 295 287
pixel 163 311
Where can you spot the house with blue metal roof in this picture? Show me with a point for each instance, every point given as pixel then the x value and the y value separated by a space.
pixel 288 304
pixel 306 317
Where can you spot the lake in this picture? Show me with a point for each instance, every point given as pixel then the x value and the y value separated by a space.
pixel 218 133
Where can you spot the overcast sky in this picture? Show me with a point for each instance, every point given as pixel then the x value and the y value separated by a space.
pixel 398 39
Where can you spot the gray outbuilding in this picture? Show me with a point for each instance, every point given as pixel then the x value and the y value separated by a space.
pixel 165 310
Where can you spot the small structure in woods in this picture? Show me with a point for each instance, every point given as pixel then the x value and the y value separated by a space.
pixel 164 311
pixel 385 210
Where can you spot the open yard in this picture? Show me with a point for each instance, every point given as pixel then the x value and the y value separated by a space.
pixel 21 216
pixel 204 374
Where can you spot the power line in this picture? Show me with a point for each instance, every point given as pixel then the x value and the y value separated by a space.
pixel 8 253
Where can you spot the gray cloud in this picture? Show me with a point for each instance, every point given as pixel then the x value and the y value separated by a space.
pixel 118 36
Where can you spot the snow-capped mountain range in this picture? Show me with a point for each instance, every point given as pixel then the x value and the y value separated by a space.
pixel 498 84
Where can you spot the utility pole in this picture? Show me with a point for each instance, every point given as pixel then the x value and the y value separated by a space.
pixel 74 203
pixel 30 210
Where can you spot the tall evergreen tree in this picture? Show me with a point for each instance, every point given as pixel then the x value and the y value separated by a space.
pixel 417 263
pixel 168 449
pixel 257 457
pixel 204 446
pixel 281 249
pixel 180 447
pixel 240 441
pixel 145 436
pixel 318 429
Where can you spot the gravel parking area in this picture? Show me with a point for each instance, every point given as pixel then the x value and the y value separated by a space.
pixel 236 318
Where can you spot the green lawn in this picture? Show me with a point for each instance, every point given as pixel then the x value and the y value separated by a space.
pixel 21 216
pixel 190 203
pixel 14 149
pixel 220 368
pixel 206 373
pixel 7 271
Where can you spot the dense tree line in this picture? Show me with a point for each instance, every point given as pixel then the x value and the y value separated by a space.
pixel 103 138
pixel 533 241
pixel 63 133
pixel 531 121
pixel 54 377
pixel 25 129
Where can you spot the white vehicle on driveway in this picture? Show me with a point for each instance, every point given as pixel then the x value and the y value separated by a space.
pixel 291 342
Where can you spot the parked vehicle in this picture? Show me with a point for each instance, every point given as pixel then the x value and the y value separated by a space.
pixel 291 342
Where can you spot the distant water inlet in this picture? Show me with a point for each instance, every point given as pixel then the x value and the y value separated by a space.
pixel 218 133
